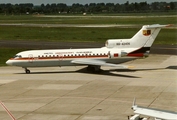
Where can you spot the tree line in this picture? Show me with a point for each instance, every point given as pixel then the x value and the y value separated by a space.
pixel 142 7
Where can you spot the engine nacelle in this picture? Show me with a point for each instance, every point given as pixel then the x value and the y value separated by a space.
pixel 113 43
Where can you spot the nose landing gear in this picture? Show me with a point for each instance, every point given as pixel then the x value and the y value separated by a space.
pixel 27 71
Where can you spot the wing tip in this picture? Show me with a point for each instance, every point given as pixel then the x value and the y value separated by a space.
pixel 134 106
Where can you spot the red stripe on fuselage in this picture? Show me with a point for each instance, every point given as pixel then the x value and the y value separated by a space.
pixel 139 52
pixel 63 57
pixel 136 55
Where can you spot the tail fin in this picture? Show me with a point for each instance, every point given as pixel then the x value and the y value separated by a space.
pixel 143 38
pixel 146 36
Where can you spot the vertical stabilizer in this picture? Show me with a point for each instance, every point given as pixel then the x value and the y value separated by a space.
pixel 146 36
pixel 143 40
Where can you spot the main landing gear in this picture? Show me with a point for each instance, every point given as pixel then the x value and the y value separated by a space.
pixel 93 68
pixel 27 71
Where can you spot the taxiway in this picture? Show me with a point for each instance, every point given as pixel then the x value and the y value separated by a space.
pixel 71 93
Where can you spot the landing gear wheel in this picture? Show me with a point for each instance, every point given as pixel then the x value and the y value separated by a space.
pixel 27 71
pixel 93 68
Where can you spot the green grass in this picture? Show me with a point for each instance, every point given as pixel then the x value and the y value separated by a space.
pixel 63 34
pixel 166 36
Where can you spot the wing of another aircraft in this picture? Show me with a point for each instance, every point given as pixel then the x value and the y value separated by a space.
pixel 98 63
pixel 155 113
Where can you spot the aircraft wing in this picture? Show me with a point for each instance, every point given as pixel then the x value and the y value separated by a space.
pixel 156 113
pixel 98 63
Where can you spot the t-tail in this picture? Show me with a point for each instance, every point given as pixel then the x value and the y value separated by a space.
pixel 140 42
pixel 146 36
pixel 143 40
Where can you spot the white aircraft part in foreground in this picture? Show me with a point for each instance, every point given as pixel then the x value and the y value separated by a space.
pixel 151 112
pixel 116 51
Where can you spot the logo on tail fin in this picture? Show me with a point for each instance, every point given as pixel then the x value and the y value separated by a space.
pixel 146 32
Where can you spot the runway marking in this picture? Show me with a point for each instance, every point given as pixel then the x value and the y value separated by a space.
pixel 8 112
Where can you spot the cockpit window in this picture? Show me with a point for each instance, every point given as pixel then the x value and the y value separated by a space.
pixel 17 56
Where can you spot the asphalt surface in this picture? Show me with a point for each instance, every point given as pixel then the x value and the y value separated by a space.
pixel 156 49
pixel 72 93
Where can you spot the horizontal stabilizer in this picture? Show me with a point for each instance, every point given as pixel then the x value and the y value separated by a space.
pixel 157 26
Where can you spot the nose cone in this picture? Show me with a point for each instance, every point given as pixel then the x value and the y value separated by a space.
pixel 9 62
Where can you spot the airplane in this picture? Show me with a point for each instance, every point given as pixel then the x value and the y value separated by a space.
pixel 157 114
pixel 115 52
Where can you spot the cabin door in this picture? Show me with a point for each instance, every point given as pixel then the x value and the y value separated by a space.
pixel 113 55
pixel 30 58
pixel 60 59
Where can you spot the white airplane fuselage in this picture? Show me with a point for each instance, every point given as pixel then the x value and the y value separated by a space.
pixel 46 58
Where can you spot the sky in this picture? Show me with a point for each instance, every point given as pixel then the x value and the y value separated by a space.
pixel 70 2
